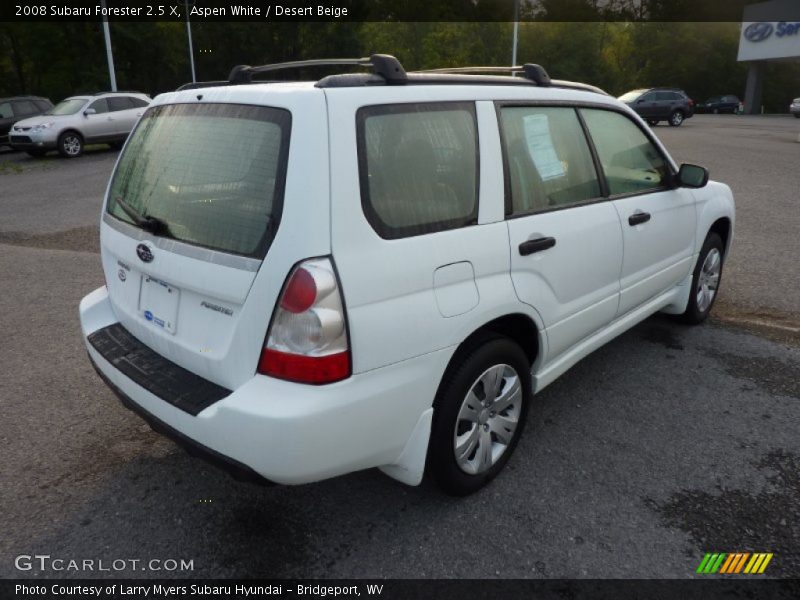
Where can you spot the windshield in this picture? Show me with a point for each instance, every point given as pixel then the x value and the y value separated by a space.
pixel 67 107
pixel 207 174
pixel 630 96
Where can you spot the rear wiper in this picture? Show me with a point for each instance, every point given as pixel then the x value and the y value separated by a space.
pixel 149 223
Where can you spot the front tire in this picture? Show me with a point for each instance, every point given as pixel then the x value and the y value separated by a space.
pixel 705 280
pixel 70 144
pixel 479 414
pixel 676 118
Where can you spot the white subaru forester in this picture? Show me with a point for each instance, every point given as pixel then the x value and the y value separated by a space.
pixel 380 269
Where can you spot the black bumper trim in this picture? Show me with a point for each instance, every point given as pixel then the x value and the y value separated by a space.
pixel 158 375
pixel 237 470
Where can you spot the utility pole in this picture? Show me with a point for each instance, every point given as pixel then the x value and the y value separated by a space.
pixel 109 53
pixel 516 34
pixel 189 34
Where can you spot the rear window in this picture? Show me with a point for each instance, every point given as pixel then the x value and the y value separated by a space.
pixel 213 174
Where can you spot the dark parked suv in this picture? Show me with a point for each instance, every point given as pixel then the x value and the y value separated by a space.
pixel 660 104
pixel 721 104
pixel 18 108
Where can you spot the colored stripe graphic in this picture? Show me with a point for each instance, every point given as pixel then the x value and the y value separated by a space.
pixel 727 564
pixel 764 564
pixel 734 563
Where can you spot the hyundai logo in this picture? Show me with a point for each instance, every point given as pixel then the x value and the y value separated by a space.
pixel 144 253
pixel 758 32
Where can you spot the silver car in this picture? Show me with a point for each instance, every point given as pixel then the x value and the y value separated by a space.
pixel 794 107
pixel 105 118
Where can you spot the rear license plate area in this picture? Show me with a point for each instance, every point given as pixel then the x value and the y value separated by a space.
pixel 158 303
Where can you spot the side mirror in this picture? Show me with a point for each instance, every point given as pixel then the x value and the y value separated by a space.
pixel 89 111
pixel 692 176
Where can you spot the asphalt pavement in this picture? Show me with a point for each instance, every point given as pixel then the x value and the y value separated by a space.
pixel 670 442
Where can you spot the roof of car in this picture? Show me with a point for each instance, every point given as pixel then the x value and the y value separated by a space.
pixel 24 98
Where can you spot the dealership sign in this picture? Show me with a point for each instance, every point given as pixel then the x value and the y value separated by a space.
pixel 764 40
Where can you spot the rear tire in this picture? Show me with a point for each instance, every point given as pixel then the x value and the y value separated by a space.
pixel 706 279
pixel 479 414
pixel 116 145
pixel 652 122
pixel 676 118
pixel 797 115
pixel 70 144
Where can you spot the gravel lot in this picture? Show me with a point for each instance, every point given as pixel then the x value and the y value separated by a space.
pixel 668 443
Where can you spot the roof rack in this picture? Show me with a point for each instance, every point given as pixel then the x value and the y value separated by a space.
pixel 387 70
pixel 531 71
pixel 384 65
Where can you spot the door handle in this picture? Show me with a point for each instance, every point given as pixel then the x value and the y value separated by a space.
pixel 638 218
pixel 537 245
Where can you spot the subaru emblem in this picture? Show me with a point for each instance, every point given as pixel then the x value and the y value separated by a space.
pixel 121 274
pixel 144 253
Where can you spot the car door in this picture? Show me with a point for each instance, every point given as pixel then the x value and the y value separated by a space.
pixel 124 114
pixel 657 219
pixel 97 127
pixel 565 238
pixel 647 105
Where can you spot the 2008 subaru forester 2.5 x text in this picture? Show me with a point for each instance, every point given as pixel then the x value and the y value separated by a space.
pixel 380 269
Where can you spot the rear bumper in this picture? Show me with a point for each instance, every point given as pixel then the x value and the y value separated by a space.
pixel 285 432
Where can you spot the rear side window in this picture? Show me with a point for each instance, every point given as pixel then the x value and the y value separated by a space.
pixel 548 160
pixel 212 173
pixel 418 167
pixel 632 164
pixel 116 103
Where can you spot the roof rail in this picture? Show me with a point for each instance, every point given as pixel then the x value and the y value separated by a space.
pixel 535 73
pixel 384 65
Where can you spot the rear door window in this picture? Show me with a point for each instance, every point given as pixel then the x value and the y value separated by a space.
pixel 548 160
pixel 116 103
pixel 418 167
pixel 212 173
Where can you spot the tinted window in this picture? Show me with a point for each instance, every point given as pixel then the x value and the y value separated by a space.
pixel 119 103
pixel 5 110
pixel 24 107
pixel 138 102
pixel 418 165
pixel 630 161
pixel 214 173
pixel 548 158
pixel 42 105
pixel 100 106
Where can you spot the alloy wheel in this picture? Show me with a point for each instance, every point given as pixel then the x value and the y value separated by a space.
pixel 708 279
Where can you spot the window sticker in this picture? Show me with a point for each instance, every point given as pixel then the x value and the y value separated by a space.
pixel 540 147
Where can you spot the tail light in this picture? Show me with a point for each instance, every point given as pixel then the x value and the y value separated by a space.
pixel 691 102
pixel 307 340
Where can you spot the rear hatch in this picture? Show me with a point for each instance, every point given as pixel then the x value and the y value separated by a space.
pixel 191 212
